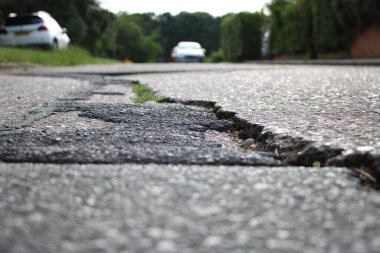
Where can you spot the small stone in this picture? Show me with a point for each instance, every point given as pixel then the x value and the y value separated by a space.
pixel 248 142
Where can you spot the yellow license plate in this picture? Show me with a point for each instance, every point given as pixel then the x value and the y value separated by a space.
pixel 20 33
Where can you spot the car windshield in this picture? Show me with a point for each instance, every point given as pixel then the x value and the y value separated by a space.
pixel 23 20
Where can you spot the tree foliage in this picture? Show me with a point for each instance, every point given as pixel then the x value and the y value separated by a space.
pixel 230 38
pixel 354 15
pixel 313 27
pixel 131 43
pixel 241 36
pixel 291 27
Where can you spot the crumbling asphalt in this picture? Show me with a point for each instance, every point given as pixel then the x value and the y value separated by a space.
pixel 153 133
pixel 308 114
pixel 150 133
pixel 109 203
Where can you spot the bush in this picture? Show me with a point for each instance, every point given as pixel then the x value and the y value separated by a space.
pixel 132 44
pixel 241 36
pixel 216 56
pixel 314 27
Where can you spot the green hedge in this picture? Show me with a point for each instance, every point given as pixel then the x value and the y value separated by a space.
pixel 315 27
pixel 241 36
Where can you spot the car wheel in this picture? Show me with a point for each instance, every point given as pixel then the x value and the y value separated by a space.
pixel 55 45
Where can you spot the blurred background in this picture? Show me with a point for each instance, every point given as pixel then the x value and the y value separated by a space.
pixel 277 29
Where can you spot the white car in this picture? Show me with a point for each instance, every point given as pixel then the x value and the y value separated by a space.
pixel 35 29
pixel 188 51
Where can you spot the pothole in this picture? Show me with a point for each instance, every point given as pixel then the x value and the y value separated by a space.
pixel 129 133
pixel 105 127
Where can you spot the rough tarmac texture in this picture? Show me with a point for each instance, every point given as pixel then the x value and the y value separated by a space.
pixel 166 208
pixel 334 105
pixel 162 209
pixel 152 133
pixel 307 113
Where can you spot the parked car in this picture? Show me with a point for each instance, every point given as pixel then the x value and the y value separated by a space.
pixel 188 51
pixel 34 29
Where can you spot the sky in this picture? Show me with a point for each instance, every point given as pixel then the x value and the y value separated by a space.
pixel 214 7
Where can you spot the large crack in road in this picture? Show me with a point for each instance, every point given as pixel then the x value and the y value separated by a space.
pixel 101 124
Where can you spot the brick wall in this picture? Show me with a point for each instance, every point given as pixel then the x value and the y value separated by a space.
pixel 367 44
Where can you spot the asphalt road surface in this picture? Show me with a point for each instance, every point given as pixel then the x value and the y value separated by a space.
pixel 84 169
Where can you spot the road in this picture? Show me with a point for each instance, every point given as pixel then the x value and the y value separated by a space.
pixel 84 169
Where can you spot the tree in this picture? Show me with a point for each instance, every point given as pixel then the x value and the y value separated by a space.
pixel 230 38
pixel 328 34
pixel 148 22
pixel 98 21
pixel 132 44
pixel 291 27
pixel 356 15
pixel 241 36
pixel 319 26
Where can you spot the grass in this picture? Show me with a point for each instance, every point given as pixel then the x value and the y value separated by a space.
pixel 67 57
pixel 144 94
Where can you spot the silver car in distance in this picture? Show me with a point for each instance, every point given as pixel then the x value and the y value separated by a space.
pixel 188 51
